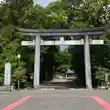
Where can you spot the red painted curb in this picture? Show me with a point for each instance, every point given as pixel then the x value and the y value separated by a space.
pixel 103 103
pixel 18 102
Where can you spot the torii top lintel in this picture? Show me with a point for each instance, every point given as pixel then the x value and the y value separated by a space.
pixel 62 32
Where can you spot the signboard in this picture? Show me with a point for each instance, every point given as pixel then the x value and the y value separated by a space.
pixel 7 76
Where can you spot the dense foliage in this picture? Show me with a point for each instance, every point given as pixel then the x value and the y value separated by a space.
pixel 58 14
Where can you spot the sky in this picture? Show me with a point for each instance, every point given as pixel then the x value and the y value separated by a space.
pixel 43 2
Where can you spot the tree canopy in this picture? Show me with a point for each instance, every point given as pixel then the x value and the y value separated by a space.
pixel 65 14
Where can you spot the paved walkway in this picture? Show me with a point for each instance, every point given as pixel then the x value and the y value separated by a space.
pixel 55 100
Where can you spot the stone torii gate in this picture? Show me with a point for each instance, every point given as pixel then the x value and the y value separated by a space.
pixel 62 32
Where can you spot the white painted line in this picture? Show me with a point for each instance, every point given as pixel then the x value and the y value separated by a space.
pixel 48 89
pixel 77 89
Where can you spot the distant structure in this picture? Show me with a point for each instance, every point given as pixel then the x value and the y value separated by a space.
pixel 69 71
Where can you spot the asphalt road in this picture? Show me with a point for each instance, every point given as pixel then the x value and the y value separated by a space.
pixel 55 100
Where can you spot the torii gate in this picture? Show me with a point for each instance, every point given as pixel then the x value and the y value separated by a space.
pixel 62 32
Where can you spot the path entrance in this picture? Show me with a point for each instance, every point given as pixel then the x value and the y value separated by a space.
pixel 85 33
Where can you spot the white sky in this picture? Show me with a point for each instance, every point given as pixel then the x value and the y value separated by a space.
pixel 43 2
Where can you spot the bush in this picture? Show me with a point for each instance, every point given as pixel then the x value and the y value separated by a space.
pixel 100 75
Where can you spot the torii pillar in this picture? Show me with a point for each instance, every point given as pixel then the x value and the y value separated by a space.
pixel 87 62
pixel 37 62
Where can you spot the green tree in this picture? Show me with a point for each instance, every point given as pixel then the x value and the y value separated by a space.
pixel 58 14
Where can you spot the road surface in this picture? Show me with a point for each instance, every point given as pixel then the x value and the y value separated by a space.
pixel 55 100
